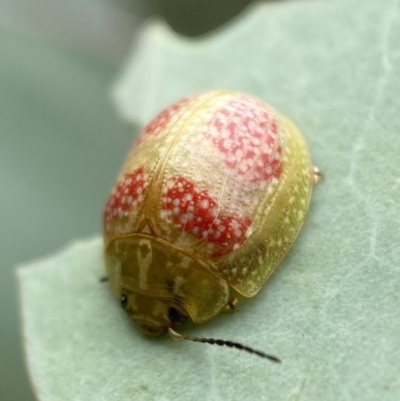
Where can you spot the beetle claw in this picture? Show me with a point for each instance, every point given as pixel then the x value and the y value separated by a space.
pixel 317 175
pixel 231 307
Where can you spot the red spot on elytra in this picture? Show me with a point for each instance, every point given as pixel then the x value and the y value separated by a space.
pixel 161 120
pixel 246 134
pixel 197 212
pixel 127 194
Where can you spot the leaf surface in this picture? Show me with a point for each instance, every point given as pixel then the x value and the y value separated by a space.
pixel 331 310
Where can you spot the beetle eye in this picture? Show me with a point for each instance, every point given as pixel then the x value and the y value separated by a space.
pixel 124 301
pixel 176 316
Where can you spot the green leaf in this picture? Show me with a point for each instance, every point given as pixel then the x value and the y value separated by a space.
pixel 331 310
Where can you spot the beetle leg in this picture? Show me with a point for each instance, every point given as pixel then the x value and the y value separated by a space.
pixel 317 174
pixel 231 307
pixel 104 279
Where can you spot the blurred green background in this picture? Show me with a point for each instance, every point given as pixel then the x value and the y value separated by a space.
pixel 61 142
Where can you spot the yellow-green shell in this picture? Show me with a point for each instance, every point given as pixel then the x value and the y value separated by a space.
pixel 218 184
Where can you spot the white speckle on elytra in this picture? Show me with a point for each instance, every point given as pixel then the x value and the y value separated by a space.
pixel 204 203
pixel 260 163
pixel 230 157
pixel 236 246
pixel 176 210
pixel 170 184
pixel 234 224
pixel 243 166
pixel 250 163
pixel 249 232
pixel 227 143
pixel 176 202
pixel 221 228
pixel 239 153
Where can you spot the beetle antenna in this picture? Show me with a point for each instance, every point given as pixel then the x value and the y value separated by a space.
pixel 177 336
pixel 104 279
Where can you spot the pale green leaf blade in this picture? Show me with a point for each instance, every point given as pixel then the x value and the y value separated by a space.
pixel 330 312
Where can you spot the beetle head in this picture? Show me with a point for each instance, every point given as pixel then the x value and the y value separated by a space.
pixel 153 316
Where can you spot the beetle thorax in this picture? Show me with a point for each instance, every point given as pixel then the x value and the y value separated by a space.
pixel 156 276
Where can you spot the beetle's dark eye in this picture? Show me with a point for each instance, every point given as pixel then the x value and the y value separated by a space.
pixel 124 301
pixel 176 316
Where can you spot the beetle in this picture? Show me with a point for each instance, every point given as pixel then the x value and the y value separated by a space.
pixel 211 197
